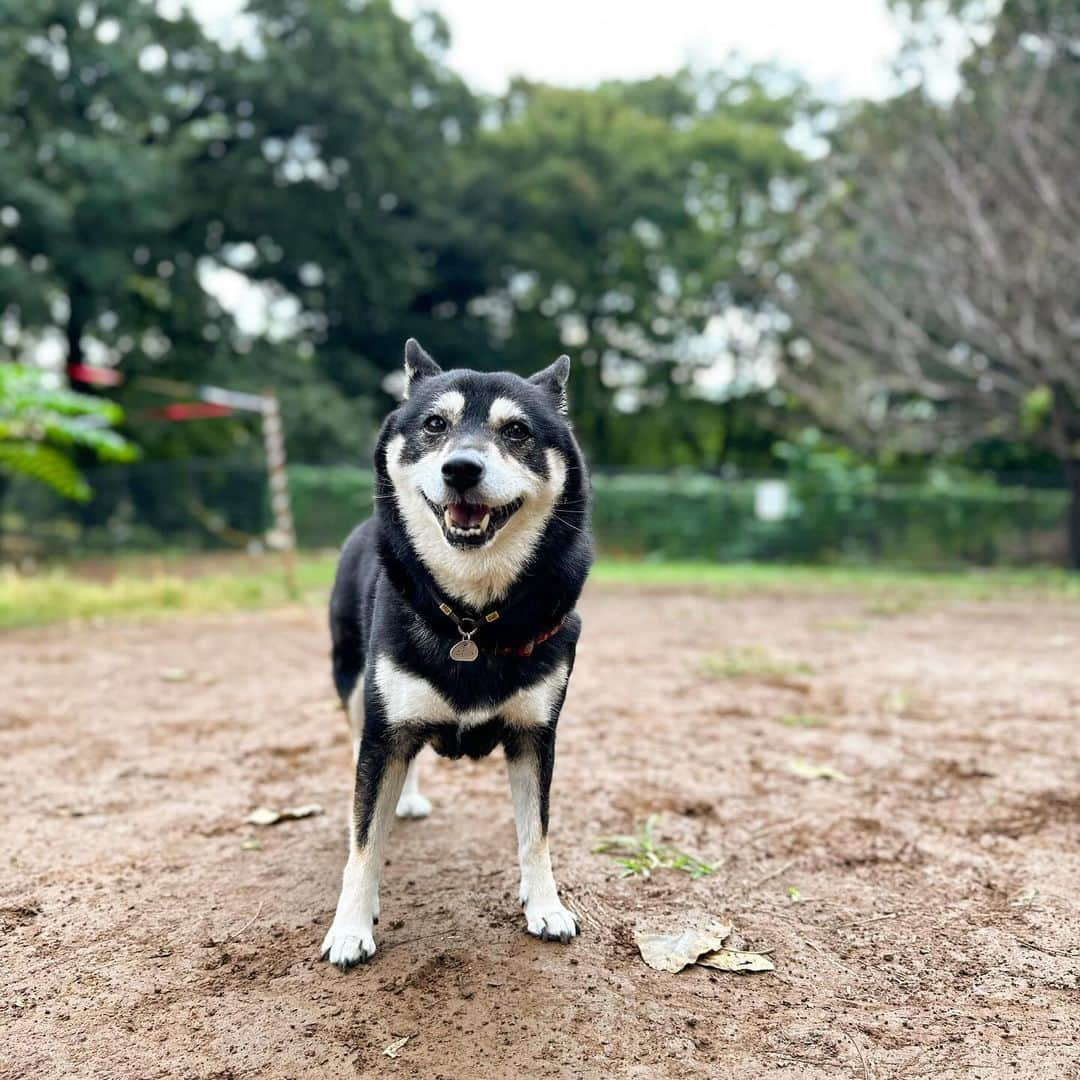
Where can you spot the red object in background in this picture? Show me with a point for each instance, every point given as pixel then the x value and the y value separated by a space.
pixel 190 410
pixel 94 376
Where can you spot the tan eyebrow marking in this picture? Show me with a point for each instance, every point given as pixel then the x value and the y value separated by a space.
pixel 503 410
pixel 451 404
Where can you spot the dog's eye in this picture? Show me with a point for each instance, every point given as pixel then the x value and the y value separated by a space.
pixel 434 425
pixel 515 431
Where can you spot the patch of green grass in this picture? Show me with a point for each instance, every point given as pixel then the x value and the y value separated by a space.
pixel 640 855
pixel 752 662
pixel 802 720
pixel 58 595
pixel 740 578
pixel 161 584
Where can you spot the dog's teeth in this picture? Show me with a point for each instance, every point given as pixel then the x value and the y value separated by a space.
pixel 447 519
pixel 484 522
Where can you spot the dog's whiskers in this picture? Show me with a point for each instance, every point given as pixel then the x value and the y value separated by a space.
pixel 569 525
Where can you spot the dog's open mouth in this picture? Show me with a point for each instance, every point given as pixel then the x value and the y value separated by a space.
pixel 467 524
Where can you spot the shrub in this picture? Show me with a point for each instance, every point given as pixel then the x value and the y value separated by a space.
pixel 693 516
pixel 708 518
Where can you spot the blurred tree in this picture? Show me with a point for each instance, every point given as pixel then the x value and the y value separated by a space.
pixel 331 181
pixel 103 114
pixel 288 208
pixel 129 161
pixel 629 225
pixel 940 303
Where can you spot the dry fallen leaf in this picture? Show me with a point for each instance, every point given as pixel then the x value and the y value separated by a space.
pixel 673 952
pixel 736 960
pixel 809 771
pixel 263 815
pixel 392 1050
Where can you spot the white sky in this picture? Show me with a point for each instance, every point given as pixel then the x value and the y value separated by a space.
pixel 844 47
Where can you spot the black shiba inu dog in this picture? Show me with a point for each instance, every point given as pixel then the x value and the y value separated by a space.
pixel 452 615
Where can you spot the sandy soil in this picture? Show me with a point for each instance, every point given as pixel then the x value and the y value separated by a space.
pixel 937 933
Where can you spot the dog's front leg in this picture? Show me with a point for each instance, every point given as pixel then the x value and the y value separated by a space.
pixel 380 776
pixel 530 758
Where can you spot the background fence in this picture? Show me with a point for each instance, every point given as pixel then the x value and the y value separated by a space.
pixel 158 505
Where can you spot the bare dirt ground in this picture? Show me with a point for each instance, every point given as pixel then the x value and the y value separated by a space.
pixel 937 934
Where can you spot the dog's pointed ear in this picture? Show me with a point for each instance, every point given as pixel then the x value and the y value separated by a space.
pixel 418 365
pixel 552 380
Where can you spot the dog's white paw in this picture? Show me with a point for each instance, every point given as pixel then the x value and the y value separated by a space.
pixel 550 922
pixel 413 805
pixel 347 945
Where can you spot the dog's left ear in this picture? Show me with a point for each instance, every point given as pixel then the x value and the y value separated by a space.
pixel 552 380
pixel 418 365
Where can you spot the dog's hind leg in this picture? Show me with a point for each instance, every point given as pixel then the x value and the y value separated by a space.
pixel 530 757
pixel 380 776
pixel 412 804
pixel 354 709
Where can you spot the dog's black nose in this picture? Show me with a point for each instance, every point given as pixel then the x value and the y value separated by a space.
pixel 462 471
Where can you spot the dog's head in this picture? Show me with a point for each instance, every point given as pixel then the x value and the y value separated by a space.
pixel 477 466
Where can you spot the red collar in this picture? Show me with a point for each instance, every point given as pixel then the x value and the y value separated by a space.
pixel 527 648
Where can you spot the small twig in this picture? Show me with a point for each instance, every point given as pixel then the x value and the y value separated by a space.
pixel 769 876
pixel 867 1075
pixel 873 919
pixel 422 937
pixel 576 896
pixel 232 935
pixel 804 1060
pixel 766 829
pixel 600 913
pixel 25 976
pixel 1049 952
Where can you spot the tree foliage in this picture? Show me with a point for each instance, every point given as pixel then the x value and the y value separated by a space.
pixel 623 223
pixel 938 303
pixel 330 169
pixel 42 426
pixel 104 117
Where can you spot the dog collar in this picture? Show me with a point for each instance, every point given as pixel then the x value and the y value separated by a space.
pixel 466 650
pixel 527 648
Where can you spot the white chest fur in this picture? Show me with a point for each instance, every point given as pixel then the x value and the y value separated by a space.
pixel 410 699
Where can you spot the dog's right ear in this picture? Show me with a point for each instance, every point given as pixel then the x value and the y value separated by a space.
pixel 418 365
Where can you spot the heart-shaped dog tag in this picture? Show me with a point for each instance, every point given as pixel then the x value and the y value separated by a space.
pixel 464 651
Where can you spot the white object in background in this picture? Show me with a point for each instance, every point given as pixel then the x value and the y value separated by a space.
pixel 771 500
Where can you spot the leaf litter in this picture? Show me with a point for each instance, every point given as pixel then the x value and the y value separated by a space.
pixel 672 952
pixel 263 815
pixel 392 1050
pixel 810 771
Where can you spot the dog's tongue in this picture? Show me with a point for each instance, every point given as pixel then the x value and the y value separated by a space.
pixel 466 515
